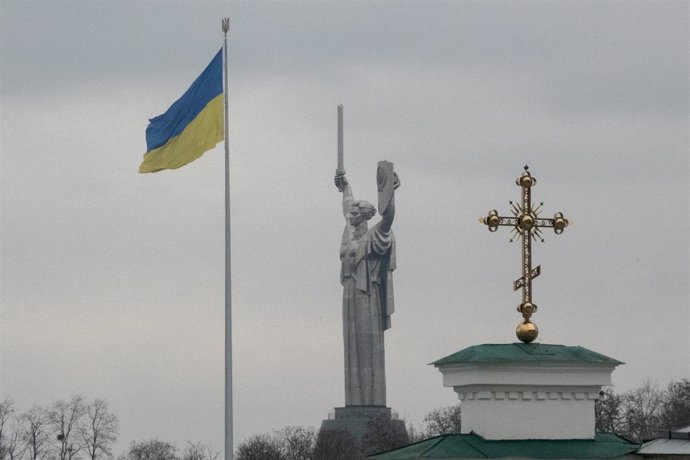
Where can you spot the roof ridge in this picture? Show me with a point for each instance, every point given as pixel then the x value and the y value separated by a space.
pixel 471 444
pixel 439 440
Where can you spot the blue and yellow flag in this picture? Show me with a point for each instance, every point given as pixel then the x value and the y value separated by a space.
pixel 191 126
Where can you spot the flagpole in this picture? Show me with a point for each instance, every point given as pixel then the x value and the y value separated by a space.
pixel 228 290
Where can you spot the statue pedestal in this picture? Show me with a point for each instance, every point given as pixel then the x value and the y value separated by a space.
pixel 355 420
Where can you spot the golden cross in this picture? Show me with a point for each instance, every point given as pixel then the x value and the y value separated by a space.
pixel 527 226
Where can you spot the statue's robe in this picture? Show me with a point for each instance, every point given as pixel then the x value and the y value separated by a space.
pixel 367 279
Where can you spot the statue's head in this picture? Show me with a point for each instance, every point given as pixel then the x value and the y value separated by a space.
pixel 361 211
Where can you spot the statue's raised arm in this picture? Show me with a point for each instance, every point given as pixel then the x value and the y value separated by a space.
pixel 344 187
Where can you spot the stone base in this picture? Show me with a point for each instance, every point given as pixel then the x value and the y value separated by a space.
pixel 355 420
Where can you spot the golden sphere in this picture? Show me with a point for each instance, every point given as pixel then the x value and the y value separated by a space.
pixel 493 220
pixel 526 222
pixel 526 331
pixel 559 223
pixel 526 181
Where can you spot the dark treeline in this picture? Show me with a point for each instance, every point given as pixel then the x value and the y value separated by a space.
pixel 67 430
pixel 639 414
pixel 299 443
pixel 79 430
pixel 644 412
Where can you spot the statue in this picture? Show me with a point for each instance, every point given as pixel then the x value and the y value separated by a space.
pixel 367 261
pixel 367 256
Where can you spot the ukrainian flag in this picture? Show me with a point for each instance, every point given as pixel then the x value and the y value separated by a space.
pixel 191 126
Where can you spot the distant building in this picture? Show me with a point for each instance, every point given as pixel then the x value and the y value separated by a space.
pixel 672 445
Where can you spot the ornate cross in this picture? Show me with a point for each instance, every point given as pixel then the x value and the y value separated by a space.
pixel 527 226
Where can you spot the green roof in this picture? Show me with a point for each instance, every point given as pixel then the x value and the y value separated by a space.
pixel 525 352
pixel 455 446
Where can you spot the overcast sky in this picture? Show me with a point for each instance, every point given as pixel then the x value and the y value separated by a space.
pixel 111 282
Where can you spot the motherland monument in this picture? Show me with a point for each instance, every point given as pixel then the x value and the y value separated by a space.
pixel 367 258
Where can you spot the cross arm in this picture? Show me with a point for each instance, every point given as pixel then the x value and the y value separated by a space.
pixel 493 221
pixel 558 223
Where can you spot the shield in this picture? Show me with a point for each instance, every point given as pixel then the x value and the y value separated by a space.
pixel 385 182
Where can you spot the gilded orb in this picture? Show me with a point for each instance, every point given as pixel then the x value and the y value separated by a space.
pixel 526 181
pixel 493 220
pixel 526 222
pixel 526 331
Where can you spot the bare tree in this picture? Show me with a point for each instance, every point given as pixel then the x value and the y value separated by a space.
pixel 199 451
pixel 642 411
pixel 608 412
pixel 194 451
pixel 153 449
pixel 63 418
pixel 14 447
pixel 381 435
pixel 99 429
pixel 296 442
pixel 444 420
pixel 260 447
pixel 675 410
pixel 414 434
pixel 36 434
pixel 6 411
pixel 337 445
pixel 11 431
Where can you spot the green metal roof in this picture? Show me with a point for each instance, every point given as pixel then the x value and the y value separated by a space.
pixel 525 352
pixel 456 446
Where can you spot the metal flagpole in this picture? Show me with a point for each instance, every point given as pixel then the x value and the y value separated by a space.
pixel 228 290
